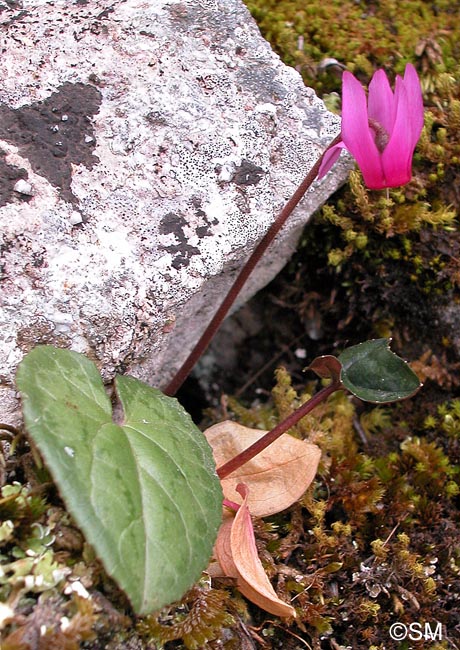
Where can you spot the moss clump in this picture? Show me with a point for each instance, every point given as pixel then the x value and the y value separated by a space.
pixel 197 620
pixel 367 545
pixel 447 418
pixel 55 624
pixel 373 540
pixel 360 35
pixel 48 575
pixel 34 571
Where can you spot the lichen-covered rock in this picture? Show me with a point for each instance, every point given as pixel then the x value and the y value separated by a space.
pixel 144 149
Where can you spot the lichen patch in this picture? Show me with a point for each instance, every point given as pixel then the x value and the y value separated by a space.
pixel 52 134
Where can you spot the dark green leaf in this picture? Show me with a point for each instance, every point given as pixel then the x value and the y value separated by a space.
pixel 374 373
pixel 144 490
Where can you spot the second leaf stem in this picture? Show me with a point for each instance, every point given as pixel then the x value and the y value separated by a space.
pixel 266 440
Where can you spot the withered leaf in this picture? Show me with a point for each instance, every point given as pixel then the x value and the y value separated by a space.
pixel 277 477
pixel 236 552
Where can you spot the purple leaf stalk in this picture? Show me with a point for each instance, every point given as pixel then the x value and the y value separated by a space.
pixel 248 454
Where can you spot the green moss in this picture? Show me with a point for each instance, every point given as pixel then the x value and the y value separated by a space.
pixel 404 488
pixel 359 35
pixel 448 419
pixel 197 620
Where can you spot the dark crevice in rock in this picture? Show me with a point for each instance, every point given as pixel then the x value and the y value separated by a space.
pixel 248 174
pixel 55 133
pixel 174 224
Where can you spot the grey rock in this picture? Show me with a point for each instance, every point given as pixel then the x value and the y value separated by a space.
pixel 159 140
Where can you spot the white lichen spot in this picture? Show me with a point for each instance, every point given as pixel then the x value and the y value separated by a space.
pixel 75 218
pixel 76 587
pixel 6 614
pixel 23 187
pixel 62 321
pixel 64 623
pixel 29 582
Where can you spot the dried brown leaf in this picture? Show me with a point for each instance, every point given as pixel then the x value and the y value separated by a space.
pixel 277 477
pixel 223 551
pixel 236 552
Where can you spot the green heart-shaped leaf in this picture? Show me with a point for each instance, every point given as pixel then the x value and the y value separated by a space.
pixel 144 491
pixel 374 373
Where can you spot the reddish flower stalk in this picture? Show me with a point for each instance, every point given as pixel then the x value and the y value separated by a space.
pixel 245 272
pixel 382 132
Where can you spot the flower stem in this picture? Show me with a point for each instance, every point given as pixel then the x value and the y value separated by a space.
pixel 235 289
pixel 266 440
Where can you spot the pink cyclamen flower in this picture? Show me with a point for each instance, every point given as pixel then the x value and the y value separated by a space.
pixel 382 132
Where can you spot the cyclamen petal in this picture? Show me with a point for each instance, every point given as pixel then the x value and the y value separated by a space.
pixel 381 101
pixel 415 101
pixel 356 133
pixel 397 156
pixel 382 131
pixel 330 157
